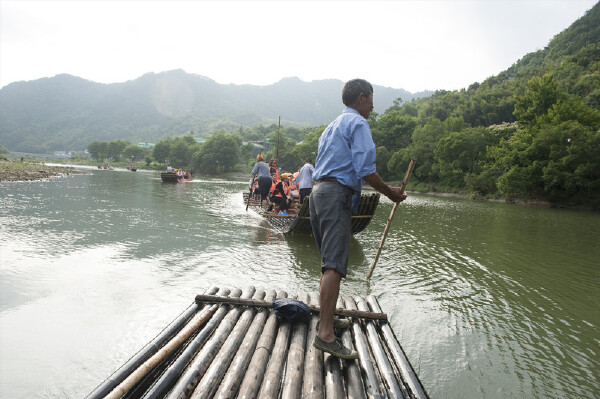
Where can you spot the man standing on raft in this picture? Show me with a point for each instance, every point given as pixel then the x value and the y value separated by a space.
pixel 346 157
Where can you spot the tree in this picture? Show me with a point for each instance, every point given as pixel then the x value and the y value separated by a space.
pixel 133 152
pixel 463 150
pixel 115 148
pixel 309 147
pixel 424 142
pixel 393 130
pixel 220 153
pixel 98 150
pixel 542 93
pixel 180 154
pixel 555 158
pixel 161 150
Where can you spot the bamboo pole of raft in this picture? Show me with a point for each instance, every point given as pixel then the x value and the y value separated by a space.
pixel 213 376
pixel 371 382
pixel 312 387
pixel 139 358
pixel 354 386
pixel 234 375
pixel 256 369
pixel 292 384
pixel 411 166
pixel 188 381
pixel 381 360
pixel 269 304
pixel 167 379
pixel 272 379
pixel 332 367
pixel 406 371
pixel 159 356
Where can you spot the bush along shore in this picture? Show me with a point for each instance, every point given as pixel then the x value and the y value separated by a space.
pixel 26 171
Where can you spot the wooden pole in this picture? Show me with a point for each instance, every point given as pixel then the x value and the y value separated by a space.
pixel 313 363
pixel 332 370
pixel 294 371
pixel 169 377
pixel 196 369
pixel 250 195
pixel 277 150
pixel 256 369
pixel 383 364
pixel 371 383
pixel 212 377
pixel 411 166
pixel 271 383
pixel 236 373
pixel 122 373
pixel 354 386
pixel 407 372
pixel 148 365
pixel 269 304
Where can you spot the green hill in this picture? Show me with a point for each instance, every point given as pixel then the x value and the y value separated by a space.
pixel 530 133
pixel 67 113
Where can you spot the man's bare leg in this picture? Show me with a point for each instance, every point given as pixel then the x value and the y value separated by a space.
pixel 329 291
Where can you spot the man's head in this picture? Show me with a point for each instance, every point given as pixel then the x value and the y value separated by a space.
pixel 308 160
pixel 358 94
pixel 259 158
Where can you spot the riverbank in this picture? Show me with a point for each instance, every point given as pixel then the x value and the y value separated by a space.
pixel 27 171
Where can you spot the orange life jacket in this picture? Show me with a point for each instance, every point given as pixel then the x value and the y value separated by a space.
pixel 286 190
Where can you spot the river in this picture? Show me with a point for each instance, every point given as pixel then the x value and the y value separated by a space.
pixel 489 300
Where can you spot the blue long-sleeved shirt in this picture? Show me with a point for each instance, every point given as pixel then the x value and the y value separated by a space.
pixel 305 176
pixel 346 150
pixel 261 169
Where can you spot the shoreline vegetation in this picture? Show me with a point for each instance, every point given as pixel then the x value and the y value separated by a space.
pixel 15 171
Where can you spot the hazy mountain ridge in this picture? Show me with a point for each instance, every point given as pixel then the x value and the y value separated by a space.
pixel 68 112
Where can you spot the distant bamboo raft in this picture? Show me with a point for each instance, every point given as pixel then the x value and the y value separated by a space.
pixel 299 222
pixel 230 350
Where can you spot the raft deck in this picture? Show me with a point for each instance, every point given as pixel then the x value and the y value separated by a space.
pixel 239 348
pixel 169 177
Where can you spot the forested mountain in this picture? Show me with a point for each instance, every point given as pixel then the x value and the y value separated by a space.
pixel 67 113
pixel 530 133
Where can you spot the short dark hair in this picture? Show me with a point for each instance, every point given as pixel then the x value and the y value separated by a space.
pixel 353 88
pixel 309 160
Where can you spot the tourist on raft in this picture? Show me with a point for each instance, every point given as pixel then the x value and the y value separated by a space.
pixel 281 194
pixel 261 172
pixel 273 168
pixel 305 179
pixel 345 158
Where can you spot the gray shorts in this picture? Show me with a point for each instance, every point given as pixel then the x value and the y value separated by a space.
pixel 331 219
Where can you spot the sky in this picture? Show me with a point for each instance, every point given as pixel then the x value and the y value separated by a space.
pixel 411 45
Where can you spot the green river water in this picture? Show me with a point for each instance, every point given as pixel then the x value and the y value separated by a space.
pixel 488 300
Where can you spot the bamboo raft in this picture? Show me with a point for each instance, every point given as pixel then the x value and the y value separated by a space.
pixel 230 344
pixel 169 177
pixel 299 222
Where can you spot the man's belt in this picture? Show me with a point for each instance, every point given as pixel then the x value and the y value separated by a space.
pixel 328 179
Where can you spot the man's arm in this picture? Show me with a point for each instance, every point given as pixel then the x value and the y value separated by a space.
pixel 393 193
